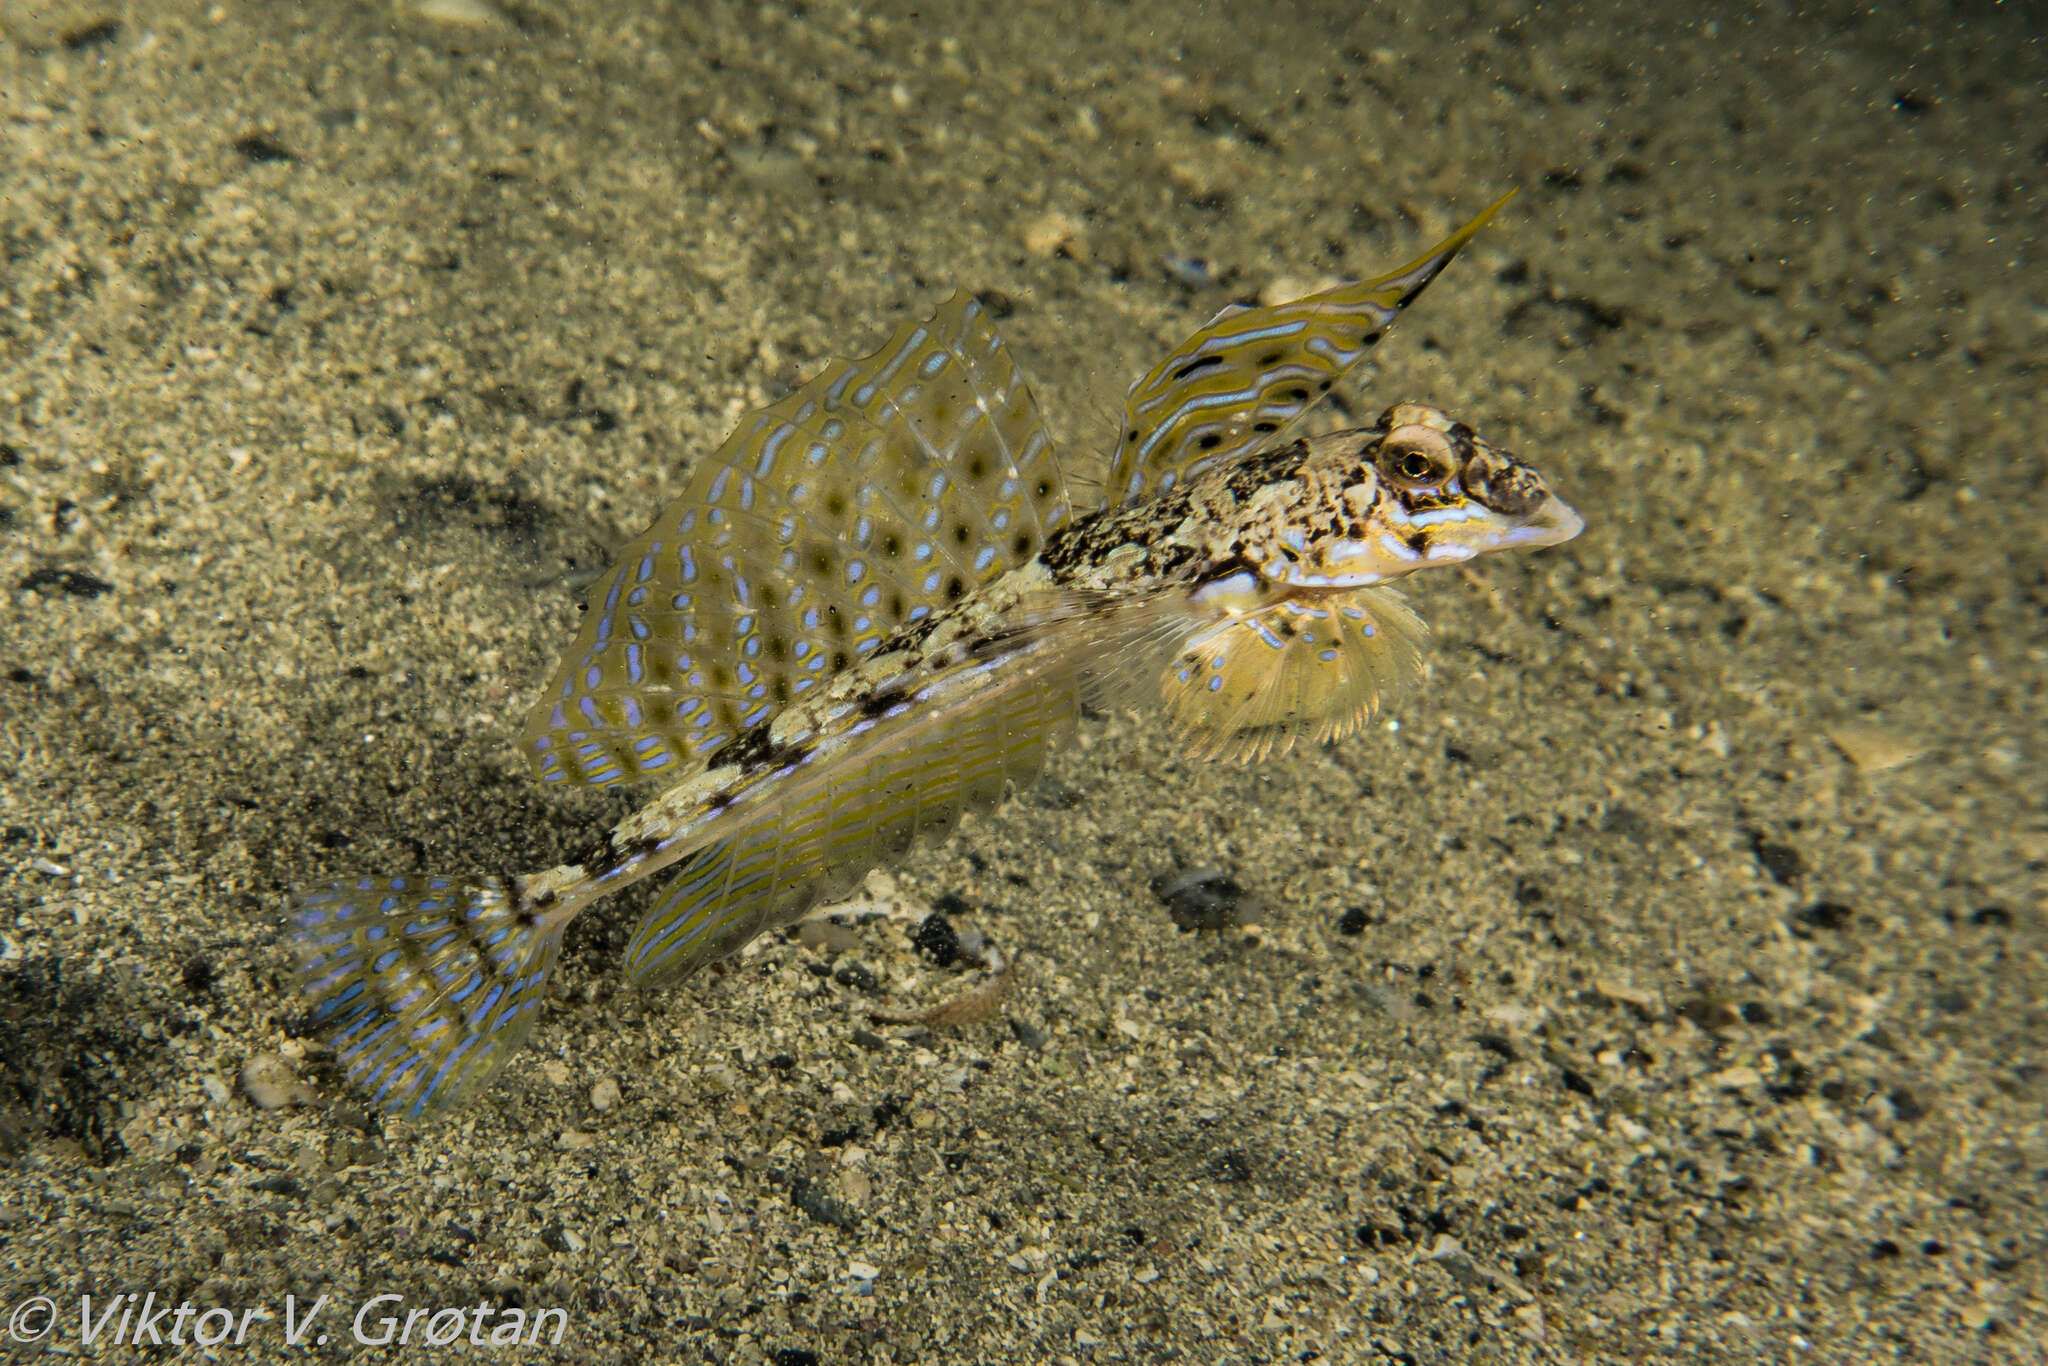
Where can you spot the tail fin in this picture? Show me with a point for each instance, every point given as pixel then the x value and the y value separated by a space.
pixel 423 988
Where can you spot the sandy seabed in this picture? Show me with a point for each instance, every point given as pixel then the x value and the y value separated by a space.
pixel 1662 981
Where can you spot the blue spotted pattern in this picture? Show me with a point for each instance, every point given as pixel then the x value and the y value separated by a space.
pixel 881 489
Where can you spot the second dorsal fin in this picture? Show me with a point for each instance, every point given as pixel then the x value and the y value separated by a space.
pixel 882 489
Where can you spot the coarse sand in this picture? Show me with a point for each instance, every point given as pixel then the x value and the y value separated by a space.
pixel 1663 980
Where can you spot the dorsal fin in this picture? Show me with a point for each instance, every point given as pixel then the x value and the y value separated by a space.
pixel 881 489
pixel 1242 381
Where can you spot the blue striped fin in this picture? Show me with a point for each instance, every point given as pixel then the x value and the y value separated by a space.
pixel 879 491
pixel 1241 382
pixel 423 988
pixel 817 842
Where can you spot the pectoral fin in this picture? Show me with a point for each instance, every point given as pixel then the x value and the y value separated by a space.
pixel 1306 668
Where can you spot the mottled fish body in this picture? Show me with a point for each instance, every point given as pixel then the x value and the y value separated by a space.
pixel 876 606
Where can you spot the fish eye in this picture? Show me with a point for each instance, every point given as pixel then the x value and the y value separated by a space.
pixel 1416 457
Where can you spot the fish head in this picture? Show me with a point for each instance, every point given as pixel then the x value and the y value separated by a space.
pixel 1419 488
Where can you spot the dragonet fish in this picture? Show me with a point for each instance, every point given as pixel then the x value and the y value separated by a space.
pixel 879 603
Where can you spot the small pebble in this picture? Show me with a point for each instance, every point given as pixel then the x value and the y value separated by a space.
pixel 975 947
pixel 474 13
pixel 1054 234
pixel 1826 915
pixel 1190 272
pixel 1204 899
pixel 270 1083
pixel 604 1095
pixel 936 939
pixel 1875 749
pixel 1284 290
pixel 827 936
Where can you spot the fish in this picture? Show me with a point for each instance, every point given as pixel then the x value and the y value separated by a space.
pixel 880 604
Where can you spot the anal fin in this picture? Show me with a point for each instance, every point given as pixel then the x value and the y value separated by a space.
pixel 846 812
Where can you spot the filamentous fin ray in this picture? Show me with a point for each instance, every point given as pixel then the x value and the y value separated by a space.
pixel 424 988
pixel 1243 381
pixel 879 491
pixel 1303 668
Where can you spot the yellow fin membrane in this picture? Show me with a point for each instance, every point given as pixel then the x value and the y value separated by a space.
pixel 1312 668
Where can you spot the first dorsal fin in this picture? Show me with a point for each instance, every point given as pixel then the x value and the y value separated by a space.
pixel 880 490
pixel 1242 381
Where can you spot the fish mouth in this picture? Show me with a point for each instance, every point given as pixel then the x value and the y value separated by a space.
pixel 1553 523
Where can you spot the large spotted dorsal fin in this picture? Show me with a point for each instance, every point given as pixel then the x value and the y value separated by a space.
pixel 879 491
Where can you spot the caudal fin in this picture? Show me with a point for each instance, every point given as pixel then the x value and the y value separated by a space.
pixel 424 988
